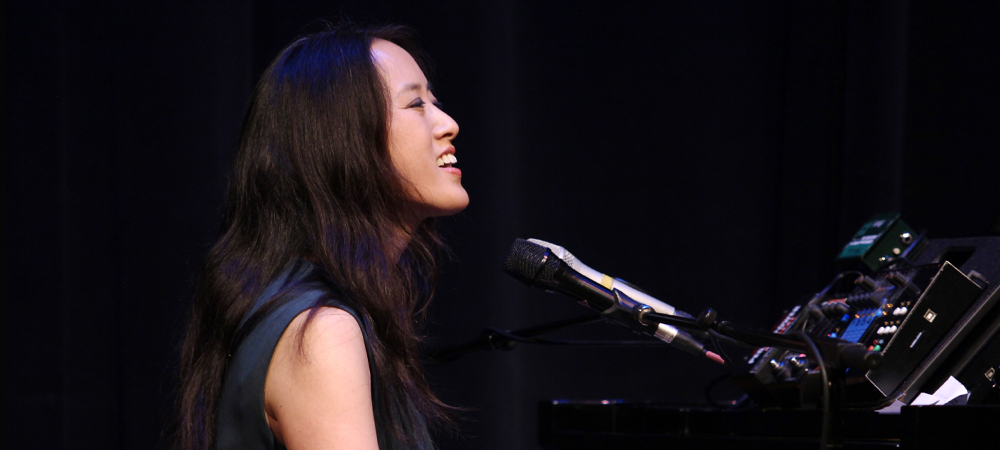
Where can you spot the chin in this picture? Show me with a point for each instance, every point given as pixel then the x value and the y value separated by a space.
pixel 451 205
pixel 443 204
pixel 454 209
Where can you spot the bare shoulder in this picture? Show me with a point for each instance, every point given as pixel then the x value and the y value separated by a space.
pixel 318 391
pixel 328 327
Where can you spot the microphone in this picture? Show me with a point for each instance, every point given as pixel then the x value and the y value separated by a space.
pixel 537 265
pixel 629 289
pixel 608 282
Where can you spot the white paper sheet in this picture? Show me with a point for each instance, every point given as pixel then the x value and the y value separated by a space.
pixel 925 399
pixel 952 392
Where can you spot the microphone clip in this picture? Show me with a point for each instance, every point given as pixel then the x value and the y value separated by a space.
pixel 628 312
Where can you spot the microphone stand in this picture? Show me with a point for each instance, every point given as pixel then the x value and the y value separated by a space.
pixel 490 339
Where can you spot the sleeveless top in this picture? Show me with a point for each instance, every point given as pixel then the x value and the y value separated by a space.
pixel 241 421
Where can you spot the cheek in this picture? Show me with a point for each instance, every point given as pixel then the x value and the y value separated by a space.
pixel 405 158
pixel 409 144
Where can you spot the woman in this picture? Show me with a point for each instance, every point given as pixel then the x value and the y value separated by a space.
pixel 303 327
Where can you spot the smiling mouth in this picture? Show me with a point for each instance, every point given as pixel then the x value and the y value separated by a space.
pixel 447 160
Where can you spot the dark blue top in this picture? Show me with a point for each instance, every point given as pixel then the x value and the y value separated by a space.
pixel 241 421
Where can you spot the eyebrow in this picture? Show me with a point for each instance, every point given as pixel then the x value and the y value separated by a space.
pixel 415 87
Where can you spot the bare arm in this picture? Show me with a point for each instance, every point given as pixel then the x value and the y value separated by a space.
pixel 320 398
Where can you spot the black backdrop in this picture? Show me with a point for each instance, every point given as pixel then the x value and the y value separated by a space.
pixel 715 153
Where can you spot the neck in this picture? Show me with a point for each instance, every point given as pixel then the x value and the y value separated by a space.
pixel 398 243
pixel 414 216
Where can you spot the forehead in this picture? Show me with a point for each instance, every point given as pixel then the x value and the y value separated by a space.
pixel 397 66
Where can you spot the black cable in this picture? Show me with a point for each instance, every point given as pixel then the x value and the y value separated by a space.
pixel 822 294
pixel 744 403
pixel 715 341
pixel 837 279
pixel 717 380
pixel 824 437
pixel 712 384
pixel 892 262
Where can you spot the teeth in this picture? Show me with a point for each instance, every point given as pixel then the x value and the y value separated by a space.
pixel 446 159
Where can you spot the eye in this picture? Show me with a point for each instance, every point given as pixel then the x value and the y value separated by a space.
pixel 416 103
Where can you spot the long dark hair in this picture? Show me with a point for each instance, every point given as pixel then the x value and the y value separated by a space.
pixel 313 179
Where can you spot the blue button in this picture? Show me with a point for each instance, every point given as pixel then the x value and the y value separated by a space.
pixel 845 318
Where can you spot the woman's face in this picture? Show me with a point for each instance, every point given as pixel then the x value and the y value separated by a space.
pixel 420 135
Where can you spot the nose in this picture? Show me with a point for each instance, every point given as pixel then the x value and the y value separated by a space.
pixel 445 127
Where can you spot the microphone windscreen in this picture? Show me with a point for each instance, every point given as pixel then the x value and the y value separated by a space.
pixel 526 260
